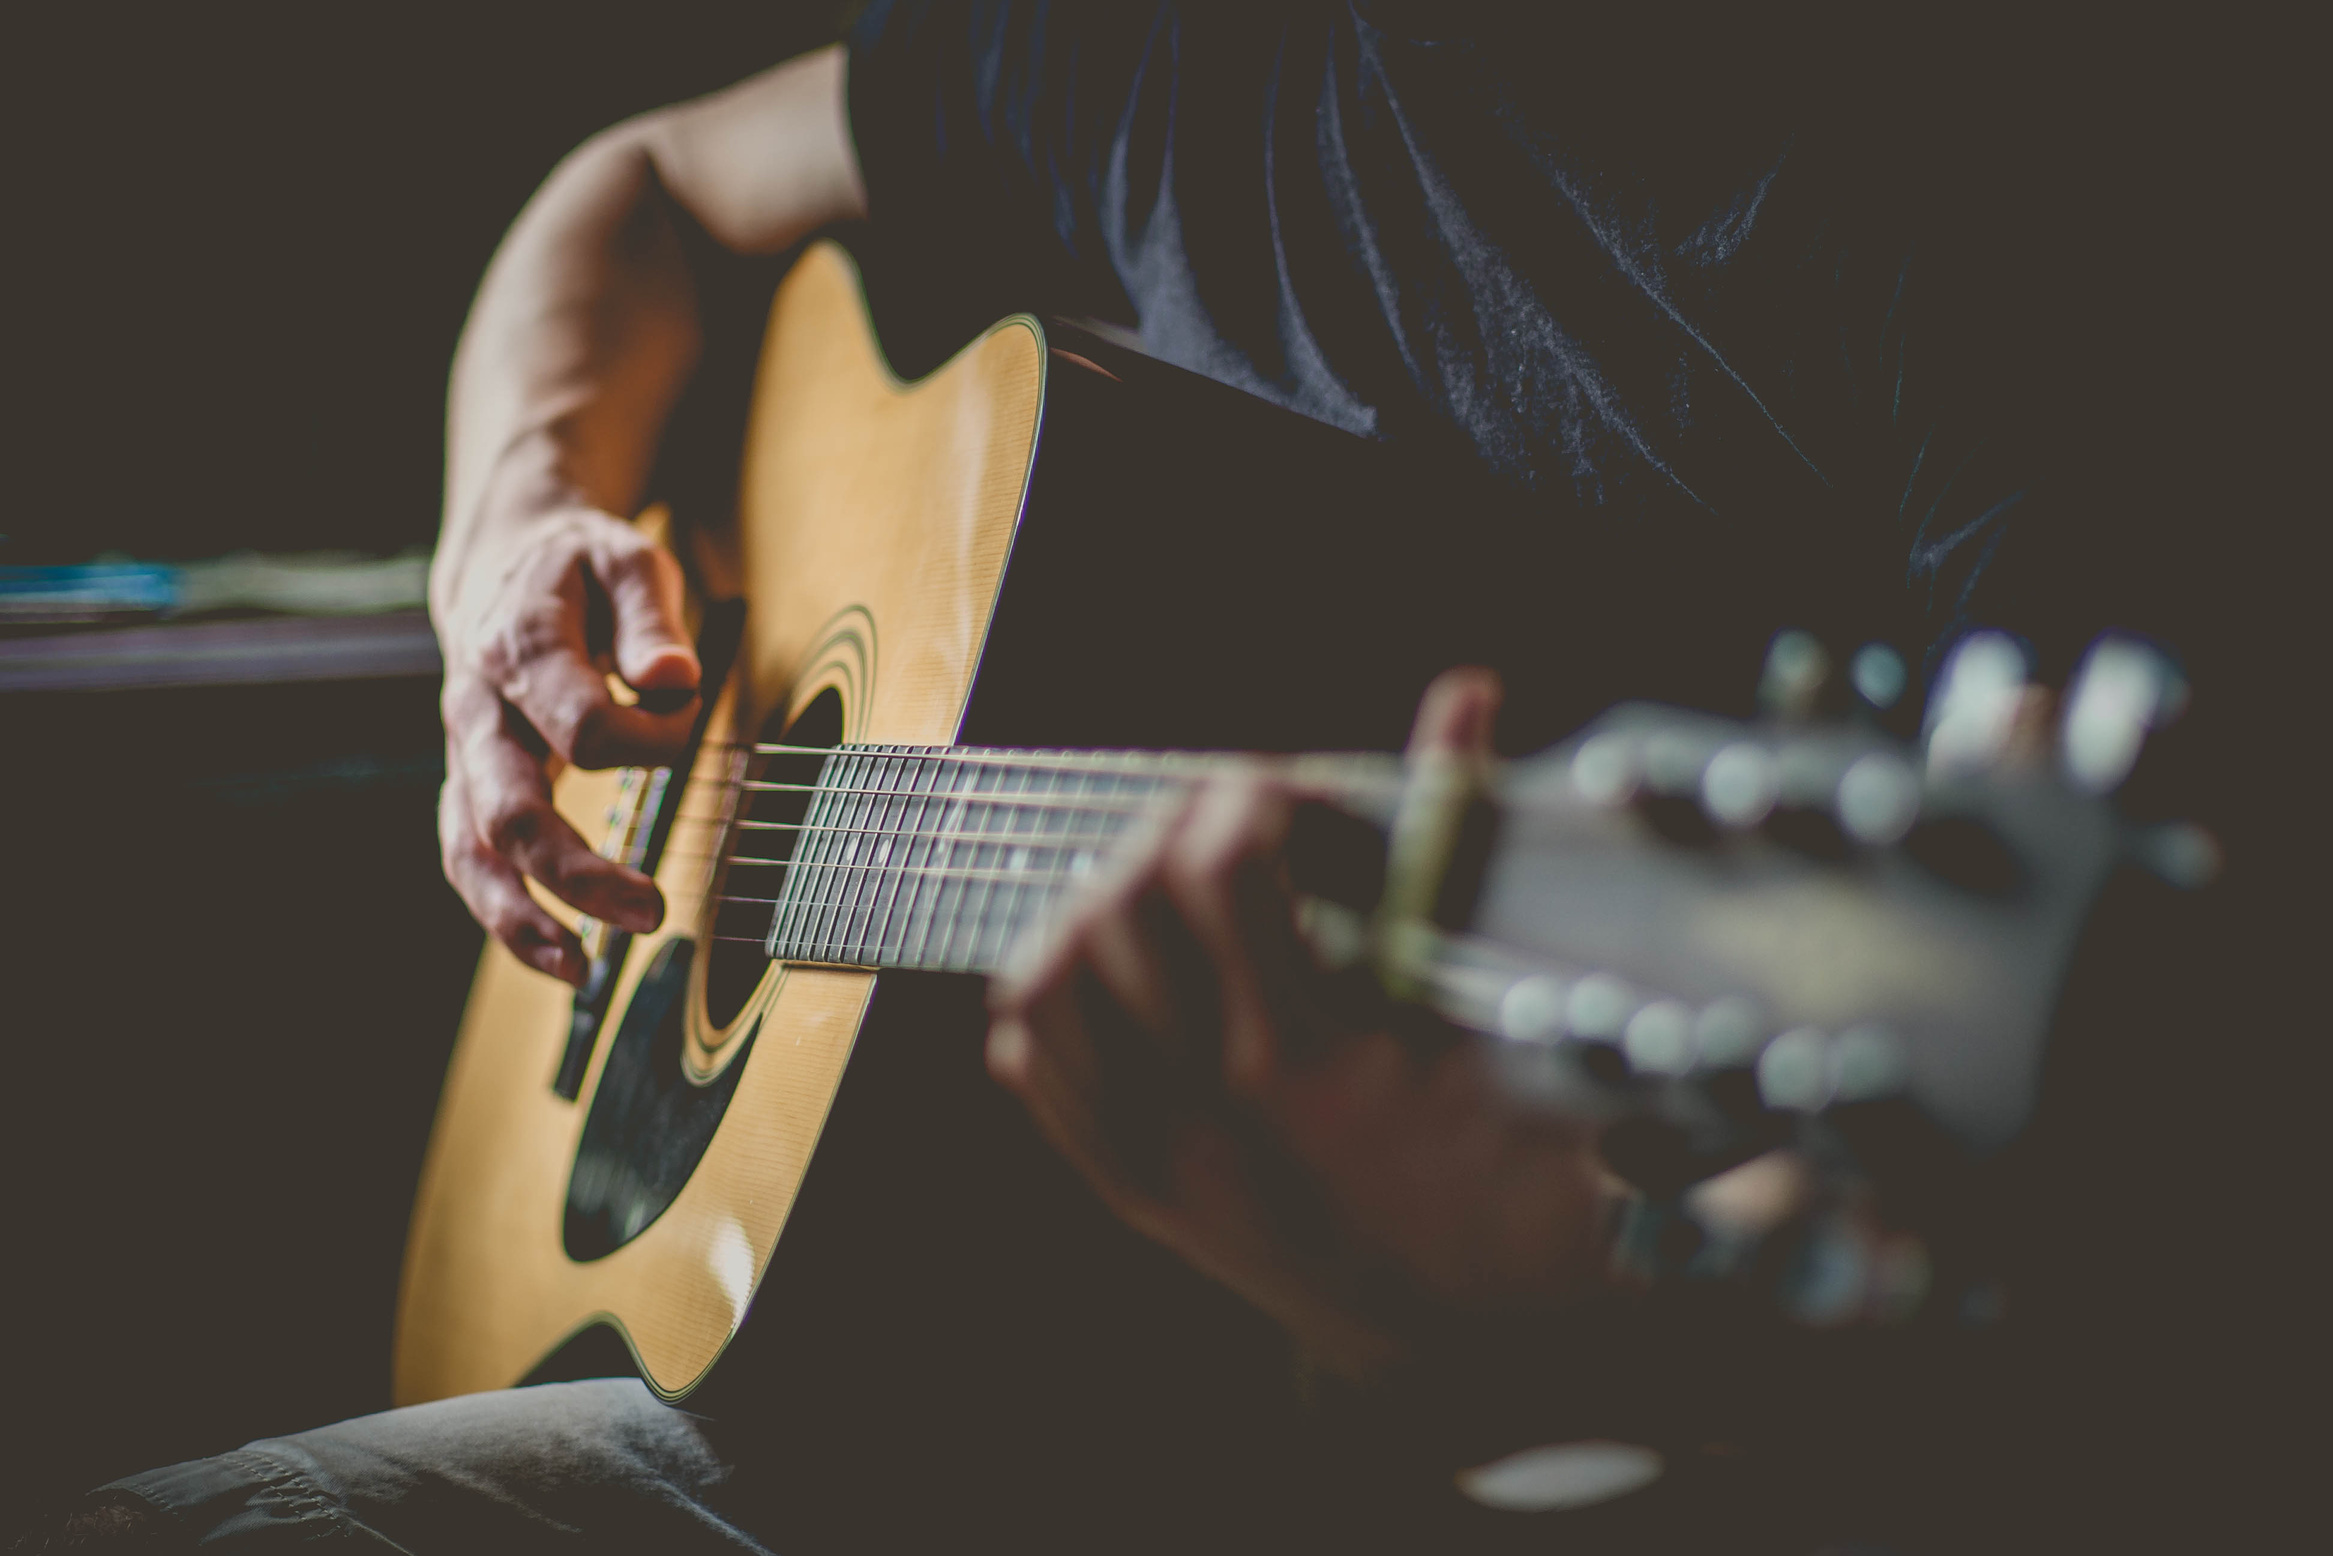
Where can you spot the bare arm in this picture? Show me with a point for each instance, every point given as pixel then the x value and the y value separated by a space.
pixel 584 332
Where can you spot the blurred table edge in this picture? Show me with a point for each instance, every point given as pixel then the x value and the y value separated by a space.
pixel 254 650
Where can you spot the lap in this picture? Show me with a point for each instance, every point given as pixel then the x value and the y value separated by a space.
pixel 601 1464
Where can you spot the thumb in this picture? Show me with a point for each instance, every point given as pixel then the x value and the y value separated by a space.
pixel 652 651
pixel 1456 714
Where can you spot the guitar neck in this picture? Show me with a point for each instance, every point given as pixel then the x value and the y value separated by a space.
pixel 930 857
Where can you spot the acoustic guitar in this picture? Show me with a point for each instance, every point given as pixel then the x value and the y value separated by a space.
pixel 951 641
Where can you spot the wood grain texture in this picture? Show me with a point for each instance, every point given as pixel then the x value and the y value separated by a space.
pixel 874 522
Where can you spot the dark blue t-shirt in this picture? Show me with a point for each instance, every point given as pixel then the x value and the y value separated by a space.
pixel 1784 318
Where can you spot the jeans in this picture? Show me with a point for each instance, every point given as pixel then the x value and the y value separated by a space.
pixel 596 1465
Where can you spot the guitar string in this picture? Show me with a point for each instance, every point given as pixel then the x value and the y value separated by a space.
pixel 825 897
pixel 943 765
pixel 1153 765
pixel 1029 840
pixel 967 796
pixel 1039 758
pixel 907 831
pixel 920 800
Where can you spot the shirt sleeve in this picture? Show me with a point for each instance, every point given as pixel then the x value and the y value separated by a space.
pixel 985 132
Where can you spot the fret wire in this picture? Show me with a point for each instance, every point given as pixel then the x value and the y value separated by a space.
pixel 926 900
pixel 837 861
pixel 788 882
pixel 910 771
pixel 847 889
pixel 838 876
pixel 962 872
pixel 805 788
pixel 782 787
pixel 786 928
pixel 807 826
pixel 947 892
pixel 953 891
pixel 1015 906
pixel 955 775
pixel 1128 761
pixel 1109 782
pixel 881 849
pixel 887 812
pixel 863 901
pixel 899 955
pixel 1104 784
pixel 825 911
pixel 793 872
pixel 820 871
pixel 1020 778
pixel 1000 896
pixel 1018 910
pixel 964 781
pixel 995 778
pixel 968 871
pixel 914 805
pixel 915 774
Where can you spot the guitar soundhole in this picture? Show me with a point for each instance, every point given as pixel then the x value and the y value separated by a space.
pixel 649 1124
pixel 759 852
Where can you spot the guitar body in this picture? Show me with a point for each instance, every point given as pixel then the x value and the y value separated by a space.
pixel 1192 590
pixel 873 528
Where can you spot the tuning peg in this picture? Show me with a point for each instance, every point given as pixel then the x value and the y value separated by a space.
pixel 1878 798
pixel 1973 717
pixel 1740 784
pixel 1792 681
pixel 1877 673
pixel 2123 689
pixel 2181 853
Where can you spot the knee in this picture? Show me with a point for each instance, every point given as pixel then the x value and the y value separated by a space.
pixel 121 1525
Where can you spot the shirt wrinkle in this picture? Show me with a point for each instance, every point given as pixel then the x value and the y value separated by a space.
pixel 1517 250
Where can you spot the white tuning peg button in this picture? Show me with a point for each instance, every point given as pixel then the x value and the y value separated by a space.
pixel 1975 708
pixel 1878 675
pixel 1740 784
pixel 1795 670
pixel 1794 1072
pixel 1867 1063
pixel 2122 690
pixel 1878 798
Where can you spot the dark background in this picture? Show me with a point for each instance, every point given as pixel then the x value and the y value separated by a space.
pixel 239 245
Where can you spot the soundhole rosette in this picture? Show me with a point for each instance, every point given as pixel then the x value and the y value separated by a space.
pixel 736 981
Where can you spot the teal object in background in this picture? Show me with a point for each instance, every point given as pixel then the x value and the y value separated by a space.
pixel 324 583
pixel 91 592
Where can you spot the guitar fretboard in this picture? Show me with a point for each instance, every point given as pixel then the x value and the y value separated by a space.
pixel 937 858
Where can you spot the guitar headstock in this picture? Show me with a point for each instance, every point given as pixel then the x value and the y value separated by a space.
pixel 1719 930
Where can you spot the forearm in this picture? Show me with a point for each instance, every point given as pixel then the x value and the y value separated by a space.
pixel 586 326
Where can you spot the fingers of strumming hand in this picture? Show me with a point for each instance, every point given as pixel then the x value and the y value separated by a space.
pixel 494 893
pixel 508 795
pixel 644 588
pixel 565 700
pixel 536 654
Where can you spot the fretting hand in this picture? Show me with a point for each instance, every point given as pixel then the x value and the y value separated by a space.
pixel 1364 1186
